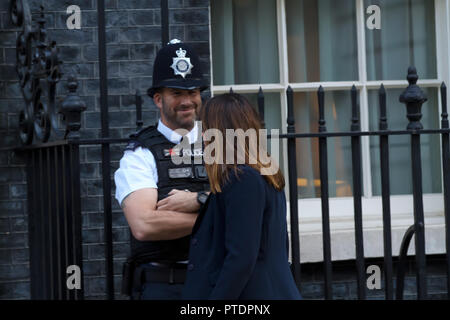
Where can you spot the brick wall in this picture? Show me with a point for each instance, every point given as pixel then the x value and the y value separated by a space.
pixel 133 31
pixel 133 35
pixel 345 285
pixel 14 268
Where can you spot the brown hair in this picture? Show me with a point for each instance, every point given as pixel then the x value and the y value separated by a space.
pixel 234 111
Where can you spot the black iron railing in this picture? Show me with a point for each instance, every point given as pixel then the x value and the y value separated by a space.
pixel 54 174
pixel 53 178
pixel 53 166
pixel 385 195
pixel 413 97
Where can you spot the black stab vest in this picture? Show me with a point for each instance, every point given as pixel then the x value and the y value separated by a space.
pixel 170 176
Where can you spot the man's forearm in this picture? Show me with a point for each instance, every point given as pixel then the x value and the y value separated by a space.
pixel 165 225
pixel 179 201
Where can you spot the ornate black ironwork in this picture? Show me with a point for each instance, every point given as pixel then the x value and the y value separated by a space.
pixel 71 108
pixel 39 72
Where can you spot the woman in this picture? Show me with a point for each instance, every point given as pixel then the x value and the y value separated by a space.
pixel 239 242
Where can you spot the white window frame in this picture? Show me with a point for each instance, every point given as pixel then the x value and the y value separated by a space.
pixel 341 208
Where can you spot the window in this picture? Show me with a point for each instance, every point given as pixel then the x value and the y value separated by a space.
pixel 315 32
pixel 245 42
pixel 307 43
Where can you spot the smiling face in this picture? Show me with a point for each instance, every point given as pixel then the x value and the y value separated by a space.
pixel 178 107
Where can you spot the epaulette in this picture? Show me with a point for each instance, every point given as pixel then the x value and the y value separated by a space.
pixel 136 137
pixel 146 138
pixel 149 129
pixel 132 145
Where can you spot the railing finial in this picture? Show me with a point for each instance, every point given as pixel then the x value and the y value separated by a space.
pixel 383 116
pixel 139 121
pixel 412 75
pixel 261 106
pixel 321 100
pixel 413 97
pixel 444 114
pixel 71 107
pixel 355 110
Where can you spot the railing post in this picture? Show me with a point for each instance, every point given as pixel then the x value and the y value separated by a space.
pixel 357 194
pixel 106 168
pixel 35 243
pixel 75 211
pixel 164 22
pixel 293 192
pixel 414 97
pixel 446 173
pixel 385 191
pixel 323 159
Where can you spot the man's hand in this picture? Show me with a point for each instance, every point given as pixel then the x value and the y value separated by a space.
pixel 179 200
pixel 148 224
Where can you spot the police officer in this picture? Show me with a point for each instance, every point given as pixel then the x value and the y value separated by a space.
pixel 161 199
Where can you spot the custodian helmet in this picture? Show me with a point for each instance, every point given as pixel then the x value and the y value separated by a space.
pixel 177 66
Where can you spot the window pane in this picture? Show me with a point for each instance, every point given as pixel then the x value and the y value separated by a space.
pixel 337 117
pixel 272 119
pixel 400 146
pixel 272 113
pixel 407 37
pixel 322 42
pixel 244 42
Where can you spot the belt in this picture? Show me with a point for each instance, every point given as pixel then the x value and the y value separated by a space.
pixel 167 265
pixel 164 273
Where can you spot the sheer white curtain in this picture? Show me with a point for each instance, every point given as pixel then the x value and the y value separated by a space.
pixel 337 117
pixel 322 46
pixel 272 119
pixel 400 146
pixel 407 37
pixel 244 42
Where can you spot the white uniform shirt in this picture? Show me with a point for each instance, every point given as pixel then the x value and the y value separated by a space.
pixel 138 168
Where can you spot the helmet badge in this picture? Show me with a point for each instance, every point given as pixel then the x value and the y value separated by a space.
pixel 181 64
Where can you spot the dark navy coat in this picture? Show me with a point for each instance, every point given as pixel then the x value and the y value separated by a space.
pixel 238 245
